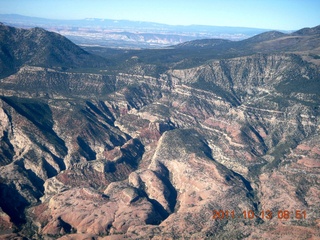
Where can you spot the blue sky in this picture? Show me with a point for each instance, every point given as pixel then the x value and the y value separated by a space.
pixel 268 14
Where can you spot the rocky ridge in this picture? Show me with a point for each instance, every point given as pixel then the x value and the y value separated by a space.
pixel 130 155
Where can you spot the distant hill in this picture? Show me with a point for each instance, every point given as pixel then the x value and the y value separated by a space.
pixel 266 36
pixel 202 43
pixel 305 34
pixel 308 31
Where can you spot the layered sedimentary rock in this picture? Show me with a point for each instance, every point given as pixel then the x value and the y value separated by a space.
pixel 123 154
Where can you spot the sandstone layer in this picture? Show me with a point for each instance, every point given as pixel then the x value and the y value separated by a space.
pixel 224 149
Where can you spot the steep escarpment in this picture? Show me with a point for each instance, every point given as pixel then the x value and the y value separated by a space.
pixel 44 82
pixel 203 152
pixel 245 75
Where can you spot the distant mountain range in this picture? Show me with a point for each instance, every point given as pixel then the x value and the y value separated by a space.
pixel 38 47
pixel 128 34
pixel 304 42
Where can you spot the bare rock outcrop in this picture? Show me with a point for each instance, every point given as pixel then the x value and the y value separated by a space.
pixel 223 147
pixel 85 211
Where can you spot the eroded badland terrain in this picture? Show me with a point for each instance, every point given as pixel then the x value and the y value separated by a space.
pixel 147 144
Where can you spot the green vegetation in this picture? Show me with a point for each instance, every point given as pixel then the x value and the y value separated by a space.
pixel 279 153
pixel 203 84
pixel 300 85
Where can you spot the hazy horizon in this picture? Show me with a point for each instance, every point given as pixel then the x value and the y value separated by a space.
pixel 274 14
